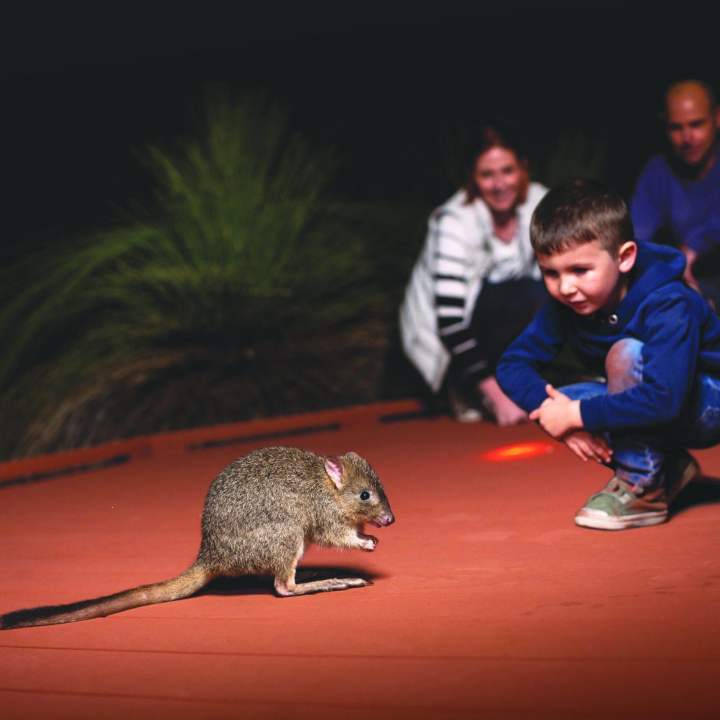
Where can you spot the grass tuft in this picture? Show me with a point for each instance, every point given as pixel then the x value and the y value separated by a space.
pixel 241 273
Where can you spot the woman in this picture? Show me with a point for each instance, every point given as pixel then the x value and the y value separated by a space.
pixel 476 284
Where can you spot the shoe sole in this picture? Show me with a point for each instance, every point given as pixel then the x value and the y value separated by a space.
pixel 599 520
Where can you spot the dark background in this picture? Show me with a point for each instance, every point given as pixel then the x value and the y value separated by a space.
pixel 387 85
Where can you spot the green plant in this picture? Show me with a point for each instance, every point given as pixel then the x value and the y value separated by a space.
pixel 240 269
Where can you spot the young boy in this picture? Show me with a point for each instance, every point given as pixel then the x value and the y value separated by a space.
pixel 626 312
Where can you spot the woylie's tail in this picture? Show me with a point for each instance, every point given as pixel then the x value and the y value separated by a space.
pixel 182 586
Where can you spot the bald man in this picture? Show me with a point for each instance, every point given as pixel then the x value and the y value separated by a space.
pixel 679 192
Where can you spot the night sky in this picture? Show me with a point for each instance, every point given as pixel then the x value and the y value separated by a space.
pixel 88 85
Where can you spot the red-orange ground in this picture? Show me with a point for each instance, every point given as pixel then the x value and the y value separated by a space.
pixel 487 601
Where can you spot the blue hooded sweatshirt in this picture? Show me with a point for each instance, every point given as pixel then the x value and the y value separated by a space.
pixel 679 331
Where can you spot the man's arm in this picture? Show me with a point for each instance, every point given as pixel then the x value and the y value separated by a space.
pixel 688 275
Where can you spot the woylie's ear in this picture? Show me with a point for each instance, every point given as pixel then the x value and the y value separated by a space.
pixel 334 468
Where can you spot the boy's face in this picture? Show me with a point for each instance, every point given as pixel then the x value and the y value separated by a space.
pixel 586 277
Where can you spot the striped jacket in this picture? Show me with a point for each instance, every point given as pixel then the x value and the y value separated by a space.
pixel 447 279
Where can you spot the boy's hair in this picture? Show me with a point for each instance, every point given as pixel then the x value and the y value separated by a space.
pixel 578 212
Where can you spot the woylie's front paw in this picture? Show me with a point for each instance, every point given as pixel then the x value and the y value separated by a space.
pixel 367 542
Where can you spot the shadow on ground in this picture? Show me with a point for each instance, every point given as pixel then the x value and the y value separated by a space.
pixel 703 491
pixel 263 584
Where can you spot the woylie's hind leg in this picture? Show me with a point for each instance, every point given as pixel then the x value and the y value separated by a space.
pixel 286 586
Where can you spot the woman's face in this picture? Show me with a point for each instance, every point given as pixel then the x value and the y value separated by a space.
pixel 500 178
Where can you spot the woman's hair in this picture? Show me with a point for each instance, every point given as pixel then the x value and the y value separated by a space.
pixel 495 136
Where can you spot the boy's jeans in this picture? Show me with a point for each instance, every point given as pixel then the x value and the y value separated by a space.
pixel 639 453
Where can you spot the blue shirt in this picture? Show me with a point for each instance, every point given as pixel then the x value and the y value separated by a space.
pixel 679 331
pixel 690 209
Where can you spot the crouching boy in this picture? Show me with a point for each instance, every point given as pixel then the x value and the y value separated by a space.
pixel 655 342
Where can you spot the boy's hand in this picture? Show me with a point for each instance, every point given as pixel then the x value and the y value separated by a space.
pixel 558 414
pixel 588 447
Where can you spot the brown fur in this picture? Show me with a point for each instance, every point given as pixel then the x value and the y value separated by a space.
pixel 260 513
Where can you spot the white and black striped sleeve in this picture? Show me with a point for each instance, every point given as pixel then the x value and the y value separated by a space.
pixel 450 270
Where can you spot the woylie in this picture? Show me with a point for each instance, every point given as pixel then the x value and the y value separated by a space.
pixel 260 514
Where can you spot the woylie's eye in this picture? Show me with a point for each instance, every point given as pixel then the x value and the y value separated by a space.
pixel 365 495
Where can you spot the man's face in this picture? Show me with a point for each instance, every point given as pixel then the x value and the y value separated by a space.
pixel 587 278
pixel 691 126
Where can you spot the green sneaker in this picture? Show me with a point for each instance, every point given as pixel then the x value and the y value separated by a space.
pixel 620 505
pixel 681 469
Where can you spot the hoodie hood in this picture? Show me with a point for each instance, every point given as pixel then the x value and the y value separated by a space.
pixel 656 266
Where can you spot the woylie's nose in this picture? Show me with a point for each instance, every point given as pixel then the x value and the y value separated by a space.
pixel 387 518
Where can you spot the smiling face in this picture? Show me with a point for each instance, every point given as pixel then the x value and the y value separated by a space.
pixel 500 178
pixel 586 277
pixel 692 124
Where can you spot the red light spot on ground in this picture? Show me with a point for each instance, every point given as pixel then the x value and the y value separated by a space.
pixel 519 451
